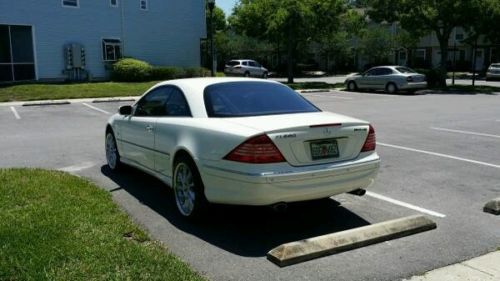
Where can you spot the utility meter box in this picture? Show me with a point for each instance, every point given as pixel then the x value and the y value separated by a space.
pixel 75 56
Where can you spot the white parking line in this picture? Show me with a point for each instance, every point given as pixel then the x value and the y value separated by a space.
pixel 440 155
pixel 96 108
pixel 76 168
pixel 406 205
pixel 13 109
pixel 465 132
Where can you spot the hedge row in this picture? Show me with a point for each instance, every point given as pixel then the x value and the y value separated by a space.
pixel 132 70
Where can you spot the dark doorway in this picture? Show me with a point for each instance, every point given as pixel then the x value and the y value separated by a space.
pixel 17 60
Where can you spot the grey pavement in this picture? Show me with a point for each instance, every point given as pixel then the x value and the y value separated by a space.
pixel 484 268
pixel 441 158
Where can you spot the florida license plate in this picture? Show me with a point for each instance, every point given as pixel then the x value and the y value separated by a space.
pixel 324 149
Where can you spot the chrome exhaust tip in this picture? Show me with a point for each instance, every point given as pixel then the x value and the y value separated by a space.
pixel 358 192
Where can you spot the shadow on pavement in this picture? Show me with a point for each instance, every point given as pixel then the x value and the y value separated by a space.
pixel 242 230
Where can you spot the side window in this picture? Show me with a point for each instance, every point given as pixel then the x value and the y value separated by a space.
pixel 153 104
pixel 252 63
pixel 245 63
pixel 176 104
pixel 385 71
pixel 371 72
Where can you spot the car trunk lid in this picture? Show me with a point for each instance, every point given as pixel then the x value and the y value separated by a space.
pixel 311 138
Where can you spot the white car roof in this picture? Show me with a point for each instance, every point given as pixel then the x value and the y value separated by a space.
pixel 193 89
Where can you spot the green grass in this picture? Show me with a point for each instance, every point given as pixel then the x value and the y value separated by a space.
pixel 54 226
pixel 469 89
pixel 29 92
pixel 475 89
pixel 314 85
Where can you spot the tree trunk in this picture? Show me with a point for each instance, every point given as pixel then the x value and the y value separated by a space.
pixel 443 46
pixel 290 55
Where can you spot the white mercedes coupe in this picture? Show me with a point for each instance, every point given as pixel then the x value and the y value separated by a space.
pixel 241 141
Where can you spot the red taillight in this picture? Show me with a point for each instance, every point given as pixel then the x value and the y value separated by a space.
pixel 371 141
pixel 409 79
pixel 257 150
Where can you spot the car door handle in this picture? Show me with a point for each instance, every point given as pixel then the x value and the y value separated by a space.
pixel 149 128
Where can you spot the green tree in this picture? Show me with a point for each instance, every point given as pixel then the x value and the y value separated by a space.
pixel 487 12
pixel 424 16
pixel 220 22
pixel 338 44
pixel 289 23
pixel 376 44
pixel 233 46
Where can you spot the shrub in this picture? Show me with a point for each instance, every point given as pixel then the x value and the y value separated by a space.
pixel 166 73
pixel 196 72
pixel 433 76
pixel 131 70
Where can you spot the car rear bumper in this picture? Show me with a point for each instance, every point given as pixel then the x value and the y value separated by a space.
pixel 234 72
pixel 413 86
pixel 490 75
pixel 298 184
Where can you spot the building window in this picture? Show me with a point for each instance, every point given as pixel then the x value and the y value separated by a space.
pixel 144 4
pixel 111 49
pixel 459 37
pixel 70 3
pixel 420 54
pixel 402 55
pixel 113 3
pixel 17 60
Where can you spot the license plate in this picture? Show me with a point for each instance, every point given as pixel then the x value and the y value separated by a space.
pixel 324 149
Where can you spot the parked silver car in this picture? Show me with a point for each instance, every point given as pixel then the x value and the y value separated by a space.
pixel 388 78
pixel 247 68
pixel 493 71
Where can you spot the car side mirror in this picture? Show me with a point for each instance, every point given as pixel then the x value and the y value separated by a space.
pixel 125 110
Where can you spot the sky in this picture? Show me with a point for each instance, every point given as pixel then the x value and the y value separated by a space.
pixel 226 5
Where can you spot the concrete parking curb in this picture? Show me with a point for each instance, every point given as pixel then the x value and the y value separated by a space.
pixel 493 207
pixel 314 91
pixel 44 103
pixel 113 100
pixel 300 251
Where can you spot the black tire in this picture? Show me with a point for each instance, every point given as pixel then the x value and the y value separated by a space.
pixel 391 88
pixel 112 153
pixel 265 75
pixel 184 167
pixel 351 86
pixel 247 74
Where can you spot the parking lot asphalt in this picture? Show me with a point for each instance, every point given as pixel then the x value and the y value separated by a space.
pixel 341 79
pixel 441 158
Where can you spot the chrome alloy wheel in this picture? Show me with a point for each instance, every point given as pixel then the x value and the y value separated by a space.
pixel 111 151
pixel 391 88
pixel 184 185
pixel 351 86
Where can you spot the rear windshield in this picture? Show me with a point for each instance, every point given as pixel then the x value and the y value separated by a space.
pixel 405 70
pixel 238 99
pixel 233 63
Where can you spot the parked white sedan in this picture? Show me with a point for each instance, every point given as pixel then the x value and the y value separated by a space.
pixel 240 141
